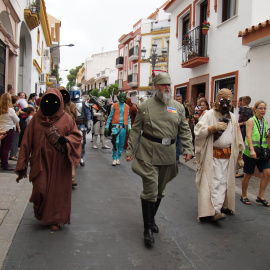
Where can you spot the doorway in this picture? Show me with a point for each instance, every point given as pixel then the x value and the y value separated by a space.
pixel 202 38
pixel 197 89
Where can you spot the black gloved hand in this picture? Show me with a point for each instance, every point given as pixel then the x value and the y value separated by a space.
pixel 62 140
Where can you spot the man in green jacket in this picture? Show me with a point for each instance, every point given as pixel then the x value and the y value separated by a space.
pixel 158 121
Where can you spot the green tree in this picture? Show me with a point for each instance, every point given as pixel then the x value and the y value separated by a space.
pixel 94 92
pixel 72 76
pixel 113 88
pixel 104 92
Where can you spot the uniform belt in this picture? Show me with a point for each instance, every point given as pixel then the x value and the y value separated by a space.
pixel 119 126
pixel 164 141
pixel 221 153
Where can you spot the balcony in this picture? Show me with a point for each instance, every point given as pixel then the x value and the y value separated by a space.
pixel 194 50
pixel 119 62
pixel 133 80
pixel 31 15
pixel 119 83
pixel 160 25
pixel 134 53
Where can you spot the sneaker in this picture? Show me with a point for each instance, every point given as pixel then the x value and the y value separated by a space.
pixel 114 162
pixel 106 147
pixel 117 162
pixel 94 147
pixel 218 216
pixel 178 161
pixel 9 168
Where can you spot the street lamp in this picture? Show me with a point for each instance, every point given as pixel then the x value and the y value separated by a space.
pixel 154 58
pixel 58 46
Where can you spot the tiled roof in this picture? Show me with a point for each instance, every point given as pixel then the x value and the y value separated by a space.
pixel 157 10
pixel 254 28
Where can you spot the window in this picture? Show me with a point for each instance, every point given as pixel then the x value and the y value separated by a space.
pixel 225 83
pixel 183 91
pixel 228 9
pixel 126 50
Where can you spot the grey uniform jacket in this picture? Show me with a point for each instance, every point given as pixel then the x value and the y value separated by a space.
pixel 161 121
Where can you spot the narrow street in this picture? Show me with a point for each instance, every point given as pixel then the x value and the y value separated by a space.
pixel 106 230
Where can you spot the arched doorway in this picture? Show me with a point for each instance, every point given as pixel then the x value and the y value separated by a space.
pixel 25 60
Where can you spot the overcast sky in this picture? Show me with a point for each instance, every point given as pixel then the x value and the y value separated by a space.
pixel 93 25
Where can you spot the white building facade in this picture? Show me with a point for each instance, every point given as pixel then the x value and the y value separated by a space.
pixel 207 63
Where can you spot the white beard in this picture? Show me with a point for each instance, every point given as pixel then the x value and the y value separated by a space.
pixel 165 98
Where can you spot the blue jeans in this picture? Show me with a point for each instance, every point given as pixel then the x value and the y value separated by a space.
pixel 178 147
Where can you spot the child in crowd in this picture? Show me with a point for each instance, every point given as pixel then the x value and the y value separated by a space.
pixel 30 113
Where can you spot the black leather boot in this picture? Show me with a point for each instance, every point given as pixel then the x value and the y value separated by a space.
pixel 155 226
pixel 148 210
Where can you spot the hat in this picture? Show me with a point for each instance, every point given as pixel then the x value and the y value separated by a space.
pixel 162 78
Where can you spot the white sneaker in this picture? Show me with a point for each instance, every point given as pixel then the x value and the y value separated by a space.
pixel 106 147
pixel 114 162
pixel 95 147
pixel 117 162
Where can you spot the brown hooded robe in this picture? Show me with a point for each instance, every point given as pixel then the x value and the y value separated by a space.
pixel 50 171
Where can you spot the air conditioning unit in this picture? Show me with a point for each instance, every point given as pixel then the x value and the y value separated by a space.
pixel 47 53
pixel 42 78
pixel 138 38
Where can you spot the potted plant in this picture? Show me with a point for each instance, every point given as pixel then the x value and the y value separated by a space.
pixel 33 6
pixel 205 27
pixel 185 40
pixel 192 55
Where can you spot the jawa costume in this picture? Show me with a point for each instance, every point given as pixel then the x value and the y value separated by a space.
pixel 52 143
pixel 70 108
pixel 218 146
pixel 120 119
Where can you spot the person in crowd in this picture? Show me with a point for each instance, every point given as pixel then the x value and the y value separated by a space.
pixel 256 144
pixel 204 108
pixel 30 113
pixel 22 102
pixel 159 119
pixel 120 119
pixel 14 146
pixel 132 113
pixel 10 89
pixel 38 100
pixel 8 121
pixel 3 134
pixel 32 99
pixel 179 99
pixel 70 109
pixel 52 143
pixel 245 112
pixel 197 111
pixel 218 148
pixel 191 121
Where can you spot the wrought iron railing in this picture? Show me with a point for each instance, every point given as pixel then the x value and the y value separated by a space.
pixel 194 44
pixel 134 51
pixel 133 78
pixel 120 60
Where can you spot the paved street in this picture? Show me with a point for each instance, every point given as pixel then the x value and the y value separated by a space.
pixel 106 226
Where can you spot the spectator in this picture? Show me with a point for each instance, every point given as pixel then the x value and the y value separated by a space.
pixel 8 121
pixel 14 146
pixel 38 100
pixel 245 112
pixel 24 105
pixel 32 99
pixel 30 113
pixel 256 135
pixel 204 108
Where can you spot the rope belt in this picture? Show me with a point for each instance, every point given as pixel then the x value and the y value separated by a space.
pixel 221 153
pixel 164 141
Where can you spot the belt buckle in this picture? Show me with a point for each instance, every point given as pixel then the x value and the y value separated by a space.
pixel 166 141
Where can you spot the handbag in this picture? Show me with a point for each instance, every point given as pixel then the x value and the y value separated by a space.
pixel 260 151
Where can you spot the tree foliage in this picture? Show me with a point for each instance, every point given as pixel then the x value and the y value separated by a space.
pixel 94 92
pixel 113 88
pixel 104 92
pixel 72 76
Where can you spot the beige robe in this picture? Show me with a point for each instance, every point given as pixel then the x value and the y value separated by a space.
pixel 204 158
